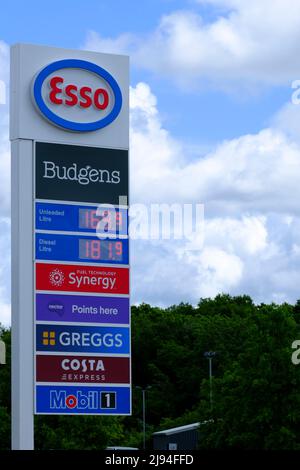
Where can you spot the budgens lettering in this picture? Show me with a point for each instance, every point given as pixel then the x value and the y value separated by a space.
pixel 65 101
pixel 84 175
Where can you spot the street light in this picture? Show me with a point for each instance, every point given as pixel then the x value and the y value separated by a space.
pixel 144 411
pixel 2 352
pixel 210 355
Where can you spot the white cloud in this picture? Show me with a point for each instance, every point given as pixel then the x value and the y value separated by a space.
pixel 120 45
pixel 287 120
pixel 256 172
pixel 4 192
pixel 250 189
pixel 247 44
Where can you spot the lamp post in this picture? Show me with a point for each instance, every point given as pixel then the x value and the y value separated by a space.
pixel 144 389
pixel 2 352
pixel 210 355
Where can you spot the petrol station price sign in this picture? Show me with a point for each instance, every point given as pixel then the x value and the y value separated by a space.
pixel 82 255
pixel 70 248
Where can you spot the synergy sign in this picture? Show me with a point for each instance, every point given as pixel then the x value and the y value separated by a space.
pixel 94 92
pixel 69 132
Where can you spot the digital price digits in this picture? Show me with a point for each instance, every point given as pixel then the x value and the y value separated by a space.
pixel 106 250
pixel 109 220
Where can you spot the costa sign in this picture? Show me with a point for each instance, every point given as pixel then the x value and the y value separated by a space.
pixel 77 95
pixel 82 369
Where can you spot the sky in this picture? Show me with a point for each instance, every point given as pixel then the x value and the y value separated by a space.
pixel 213 122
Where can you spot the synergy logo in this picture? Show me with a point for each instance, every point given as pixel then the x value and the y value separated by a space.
pixel 77 95
pixel 56 277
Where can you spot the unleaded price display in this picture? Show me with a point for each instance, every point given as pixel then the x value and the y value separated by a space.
pixel 101 219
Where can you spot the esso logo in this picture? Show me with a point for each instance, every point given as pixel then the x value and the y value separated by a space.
pixel 68 95
pixel 77 95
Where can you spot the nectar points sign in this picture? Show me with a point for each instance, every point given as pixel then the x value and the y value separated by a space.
pixel 71 311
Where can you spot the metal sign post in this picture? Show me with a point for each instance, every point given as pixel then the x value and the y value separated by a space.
pixel 70 250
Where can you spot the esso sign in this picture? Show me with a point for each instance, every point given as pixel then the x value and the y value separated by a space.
pixel 72 95
pixel 77 95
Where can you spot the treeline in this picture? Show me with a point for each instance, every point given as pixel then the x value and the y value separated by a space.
pixel 255 386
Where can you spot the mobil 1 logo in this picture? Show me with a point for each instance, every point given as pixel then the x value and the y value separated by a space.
pixel 108 400
pixel 79 173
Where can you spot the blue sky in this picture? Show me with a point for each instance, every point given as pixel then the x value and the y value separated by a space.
pixel 212 122
pixel 204 114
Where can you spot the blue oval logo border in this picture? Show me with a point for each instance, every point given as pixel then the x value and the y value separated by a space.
pixel 71 125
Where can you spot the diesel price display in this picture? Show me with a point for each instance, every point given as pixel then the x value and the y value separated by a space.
pixel 106 250
pixel 54 246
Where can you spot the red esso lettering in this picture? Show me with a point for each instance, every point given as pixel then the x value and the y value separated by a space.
pixel 71 95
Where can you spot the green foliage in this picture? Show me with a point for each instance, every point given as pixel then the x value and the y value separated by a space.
pixel 256 399
pixel 77 432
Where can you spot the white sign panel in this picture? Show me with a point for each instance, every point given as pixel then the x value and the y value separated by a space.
pixel 50 85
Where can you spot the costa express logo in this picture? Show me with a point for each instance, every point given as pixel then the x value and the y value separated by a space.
pixel 88 369
pixel 77 95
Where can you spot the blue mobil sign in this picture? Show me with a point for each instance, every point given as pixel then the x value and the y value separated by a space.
pixel 82 400
pixel 104 220
pixel 58 247
pixel 87 339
